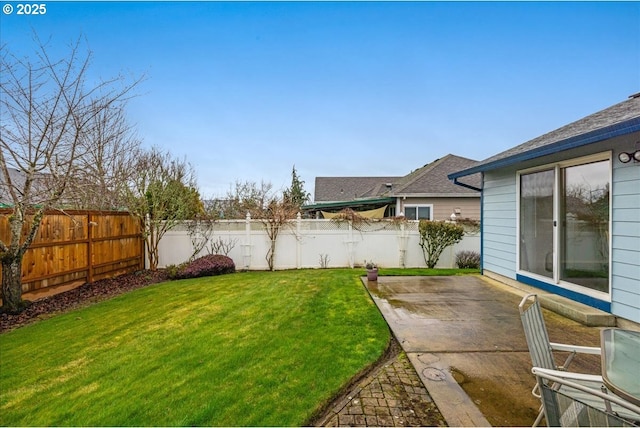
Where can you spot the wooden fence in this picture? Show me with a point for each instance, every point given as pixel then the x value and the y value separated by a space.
pixel 76 247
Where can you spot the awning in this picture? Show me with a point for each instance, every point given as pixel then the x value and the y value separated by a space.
pixel 377 213
pixel 357 203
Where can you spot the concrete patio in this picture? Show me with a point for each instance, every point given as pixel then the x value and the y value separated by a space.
pixel 464 337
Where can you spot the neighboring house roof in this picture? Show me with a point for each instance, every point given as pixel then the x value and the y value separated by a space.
pixel 334 189
pixel 620 119
pixel 18 179
pixel 428 181
pixel 431 179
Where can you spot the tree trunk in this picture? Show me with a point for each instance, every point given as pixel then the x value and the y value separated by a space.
pixel 271 255
pixel 12 285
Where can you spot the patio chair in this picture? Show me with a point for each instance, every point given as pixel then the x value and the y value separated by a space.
pixel 573 399
pixel 540 347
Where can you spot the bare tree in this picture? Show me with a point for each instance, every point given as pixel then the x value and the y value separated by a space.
pixel 222 246
pixel 245 196
pixel 111 150
pixel 48 110
pixel 274 210
pixel 275 215
pixel 162 193
pixel 200 230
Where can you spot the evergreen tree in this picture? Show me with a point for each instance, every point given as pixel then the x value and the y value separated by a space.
pixel 296 195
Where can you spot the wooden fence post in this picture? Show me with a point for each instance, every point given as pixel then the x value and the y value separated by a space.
pixel 90 224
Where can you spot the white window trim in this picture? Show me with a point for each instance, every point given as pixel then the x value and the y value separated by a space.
pixel 416 206
pixel 556 166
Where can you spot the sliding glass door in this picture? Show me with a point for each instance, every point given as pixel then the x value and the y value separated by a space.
pixel 585 225
pixel 536 222
pixel 564 223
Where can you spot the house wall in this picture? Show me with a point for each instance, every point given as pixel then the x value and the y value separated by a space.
pixel 500 221
pixel 625 251
pixel 443 207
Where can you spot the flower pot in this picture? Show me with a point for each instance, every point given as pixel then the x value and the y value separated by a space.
pixel 372 274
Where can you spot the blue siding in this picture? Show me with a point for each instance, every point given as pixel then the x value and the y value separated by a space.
pixel 630 229
pixel 499 223
pixel 626 305
pixel 624 284
pixel 625 240
pixel 626 214
pixel 626 256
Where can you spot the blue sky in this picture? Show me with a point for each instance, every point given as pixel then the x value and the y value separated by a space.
pixel 246 90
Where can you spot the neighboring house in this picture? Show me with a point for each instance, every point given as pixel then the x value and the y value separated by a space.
pixel 17 179
pixel 5 196
pixel 426 193
pixel 333 194
pixel 562 212
pixel 81 196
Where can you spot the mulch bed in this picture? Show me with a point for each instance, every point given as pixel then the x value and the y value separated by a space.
pixel 83 295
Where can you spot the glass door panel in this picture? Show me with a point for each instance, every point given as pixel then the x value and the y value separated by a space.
pixel 584 236
pixel 536 222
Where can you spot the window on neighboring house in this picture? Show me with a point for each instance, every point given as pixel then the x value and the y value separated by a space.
pixel 418 212
pixel 564 223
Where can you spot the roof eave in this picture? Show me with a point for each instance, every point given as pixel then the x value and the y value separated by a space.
pixel 435 195
pixel 608 132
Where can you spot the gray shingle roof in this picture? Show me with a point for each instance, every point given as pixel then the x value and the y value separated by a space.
pixel 430 180
pixel 17 179
pixel 333 189
pixel 618 119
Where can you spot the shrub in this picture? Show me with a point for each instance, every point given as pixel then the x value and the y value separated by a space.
pixel 435 236
pixel 172 270
pixel 468 260
pixel 213 264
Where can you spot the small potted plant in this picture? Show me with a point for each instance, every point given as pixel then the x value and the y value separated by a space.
pixel 372 271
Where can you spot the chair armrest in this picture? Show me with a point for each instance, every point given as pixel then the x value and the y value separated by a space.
pixel 572 380
pixel 572 376
pixel 574 348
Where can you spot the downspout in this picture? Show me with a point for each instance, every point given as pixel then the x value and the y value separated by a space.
pixel 477 189
pixel 482 225
pixel 468 186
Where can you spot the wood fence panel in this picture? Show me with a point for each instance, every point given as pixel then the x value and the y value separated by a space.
pixel 116 245
pixel 76 247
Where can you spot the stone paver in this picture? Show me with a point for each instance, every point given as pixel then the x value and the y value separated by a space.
pixel 390 396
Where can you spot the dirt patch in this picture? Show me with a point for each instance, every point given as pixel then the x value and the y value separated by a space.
pixel 81 296
pixel 495 401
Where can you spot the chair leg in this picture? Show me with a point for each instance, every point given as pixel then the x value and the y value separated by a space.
pixel 539 418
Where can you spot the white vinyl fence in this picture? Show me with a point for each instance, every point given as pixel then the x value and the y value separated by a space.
pixel 306 243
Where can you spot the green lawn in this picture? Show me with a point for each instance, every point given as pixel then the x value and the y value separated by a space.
pixel 249 349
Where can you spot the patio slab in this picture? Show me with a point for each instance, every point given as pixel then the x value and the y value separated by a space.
pixel 464 337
